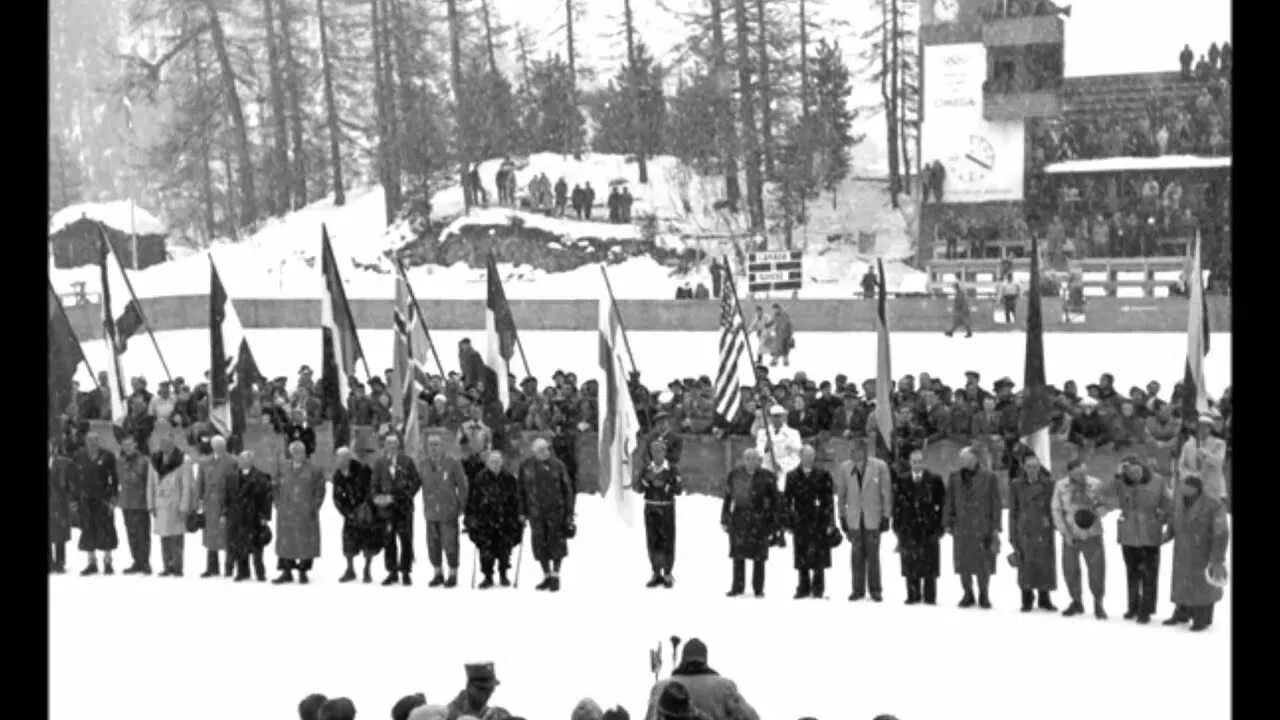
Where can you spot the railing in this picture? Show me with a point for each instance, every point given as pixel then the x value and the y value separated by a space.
pixel 973 273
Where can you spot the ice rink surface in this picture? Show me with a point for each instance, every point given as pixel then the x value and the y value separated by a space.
pixel 206 649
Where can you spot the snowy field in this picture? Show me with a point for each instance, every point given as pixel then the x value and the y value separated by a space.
pixel 210 649
pixel 1134 358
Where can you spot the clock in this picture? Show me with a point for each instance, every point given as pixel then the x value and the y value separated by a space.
pixel 973 162
pixel 945 11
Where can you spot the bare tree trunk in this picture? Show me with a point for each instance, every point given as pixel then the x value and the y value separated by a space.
pixel 747 113
pixel 637 124
pixel 573 55
pixel 248 199
pixel 488 37
pixel 726 135
pixel 380 92
pixel 291 83
pixel 408 117
pixel 231 201
pixel 455 74
pixel 766 110
pixel 206 158
pixel 395 194
pixel 524 57
pixel 888 93
pixel 331 110
pixel 278 158
pixel 899 72
pixel 806 149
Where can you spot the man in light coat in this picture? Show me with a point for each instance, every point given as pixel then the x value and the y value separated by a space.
pixel 211 491
pixel 395 483
pixel 444 497
pixel 785 440
pixel 1079 503
pixel 170 498
pixel 299 494
pixel 1204 456
pixel 713 695
pixel 864 501
pixel 972 515
pixel 132 467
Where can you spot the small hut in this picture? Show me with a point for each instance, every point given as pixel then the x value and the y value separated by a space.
pixel 74 233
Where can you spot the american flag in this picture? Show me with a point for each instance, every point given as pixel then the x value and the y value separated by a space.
pixel 732 345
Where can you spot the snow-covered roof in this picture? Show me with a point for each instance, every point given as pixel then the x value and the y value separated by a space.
pixel 122 215
pixel 1138 164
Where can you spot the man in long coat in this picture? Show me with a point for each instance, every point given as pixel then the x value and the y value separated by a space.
pixel 170 498
pixel 972 515
pixel 750 515
pixel 352 486
pixel 659 483
pixel 299 494
pixel 715 696
pixel 808 499
pixel 248 506
pixel 1031 533
pixel 864 494
pixel 547 499
pixel 493 518
pixel 97 487
pixel 59 509
pixel 211 494
pixel 1200 534
pixel 132 467
pixel 918 499
pixel 395 484
pixel 444 497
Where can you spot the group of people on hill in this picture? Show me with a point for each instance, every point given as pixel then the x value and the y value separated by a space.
pixel 543 196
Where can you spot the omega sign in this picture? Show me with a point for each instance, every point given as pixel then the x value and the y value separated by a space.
pixel 983 159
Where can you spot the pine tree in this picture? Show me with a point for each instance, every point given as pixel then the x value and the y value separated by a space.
pixel 832 117
pixel 558 122
pixel 691 121
pixel 892 60
pixel 618 129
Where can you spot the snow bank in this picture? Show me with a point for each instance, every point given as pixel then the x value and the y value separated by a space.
pixel 122 215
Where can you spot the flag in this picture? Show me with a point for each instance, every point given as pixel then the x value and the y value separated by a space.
pixel 113 287
pixel 408 358
pixel 500 329
pixel 617 416
pixel 65 355
pixel 340 345
pixel 884 377
pixel 732 347
pixel 1037 407
pixel 1194 398
pixel 231 376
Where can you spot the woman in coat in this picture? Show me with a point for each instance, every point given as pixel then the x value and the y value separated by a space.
pixel 1031 533
pixel 211 490
pixel 1200 536
pixel 810 511
pixel 59 509
pixel 493 518
pixel 170 498
pixel 1146 505
pixel 298 493
pixel 750 515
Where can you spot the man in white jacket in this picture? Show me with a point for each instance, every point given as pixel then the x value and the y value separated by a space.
pixel 1078 505
pixel 1203 456
pixel 786 443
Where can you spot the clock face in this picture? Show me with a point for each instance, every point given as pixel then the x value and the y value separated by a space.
pixel 973 162
pixel 946 10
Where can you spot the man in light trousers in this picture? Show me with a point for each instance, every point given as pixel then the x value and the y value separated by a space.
pixel 864 501
pixel 444 496
pixel 1079 503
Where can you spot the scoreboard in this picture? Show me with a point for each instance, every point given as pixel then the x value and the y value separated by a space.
pixel 774 271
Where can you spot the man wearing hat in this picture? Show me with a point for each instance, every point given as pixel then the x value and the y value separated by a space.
pixel 248 517
pixel 1079 503
pixel 474 699
pixel 305 378
pixel 778 443
pixel 659 484
pixel 1204 457
pixel 973 515
pixel 700 690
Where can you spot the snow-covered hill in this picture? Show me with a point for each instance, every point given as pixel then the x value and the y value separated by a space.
pixel 280 259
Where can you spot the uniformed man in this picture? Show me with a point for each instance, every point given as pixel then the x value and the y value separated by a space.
pixel 546 501
pixel 659 483
pixel 665 432
pixel 778 444
pixel 444 497
pixel 96 488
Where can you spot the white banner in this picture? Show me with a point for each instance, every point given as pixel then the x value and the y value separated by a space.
pixel 983 159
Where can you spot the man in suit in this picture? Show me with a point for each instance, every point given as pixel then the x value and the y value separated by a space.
pixel 973 517
pixel 395 484
pixel 470 363
pixel 750 515
pixel 918 499
pixel 864 500
pixel 444 497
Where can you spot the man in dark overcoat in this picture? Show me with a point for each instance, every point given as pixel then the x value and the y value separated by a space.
pixel 96 488
pixel 352 486
pixel 659 483
pixel 972 515
pixel 918 499
pixel 810 512
pixel 248 506
pixel 59 509
pixel 396 483
pixel 493 518
pixel 547 501
pixel 750 515
pixel 299 494
pixel 1031 533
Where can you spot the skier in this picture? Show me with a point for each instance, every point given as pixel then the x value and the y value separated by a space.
pixel 660 484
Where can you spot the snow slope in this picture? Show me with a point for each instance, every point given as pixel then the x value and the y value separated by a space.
pixel 209 649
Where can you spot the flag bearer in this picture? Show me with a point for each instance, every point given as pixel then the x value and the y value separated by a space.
pixel 660 484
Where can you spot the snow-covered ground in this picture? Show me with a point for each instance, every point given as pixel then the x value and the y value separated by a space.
pixel 208 649
pixel 1134 358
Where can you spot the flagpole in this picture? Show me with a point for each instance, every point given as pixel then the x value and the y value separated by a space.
pixel 613 302
pixel 102 230
pixel 422 319
pixel 746 339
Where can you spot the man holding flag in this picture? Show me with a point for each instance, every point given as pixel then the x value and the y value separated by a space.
pixel 660 484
